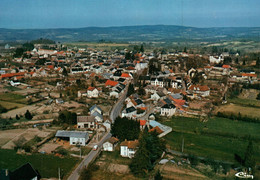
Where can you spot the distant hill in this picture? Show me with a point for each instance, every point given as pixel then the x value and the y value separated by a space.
pixel 132 33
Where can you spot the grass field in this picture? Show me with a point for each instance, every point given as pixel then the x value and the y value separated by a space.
pixel 244 110
pixel 14 98
pixel 245 102
pixel 12 88
pixel 115 157
pixel 219 138
pixel 47 165
pixel 10 105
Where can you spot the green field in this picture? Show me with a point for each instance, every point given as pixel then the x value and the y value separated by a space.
pixel 14 98
pixel 47 165
pixel 218 138
pixel 10 105
pixel 245 102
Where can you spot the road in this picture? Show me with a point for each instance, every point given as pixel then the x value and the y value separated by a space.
pixel 118 106
pixel 89 158
pixel 149 111
pixel 93 154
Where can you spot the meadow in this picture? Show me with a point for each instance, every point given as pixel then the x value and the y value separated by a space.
pixel 47 165
pixel 218 138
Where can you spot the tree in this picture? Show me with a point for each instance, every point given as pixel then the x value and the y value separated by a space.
pixel 142 48
pixel 64 72
pixel 141 91
pixel 150 150
pixel 185 50
pixel 28 46
pixel 128 56
pixel 131 89
pixel 28 115
pixel 226 168
pixel 17 117
pixel 158 176
pixel 236 61
pixel 227 60
pixel 2 109
pixel 257 62
pixel 258 96
pixel 124 128
pixel 249 160
pixel 78 82
pixel 193 160
pixel 141 162
pixel 18 52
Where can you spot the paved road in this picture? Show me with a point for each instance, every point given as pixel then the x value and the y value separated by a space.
pixel 92 155
pixel 118 106
pixel 88 159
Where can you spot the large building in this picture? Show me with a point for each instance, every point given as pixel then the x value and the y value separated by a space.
pixel 74 137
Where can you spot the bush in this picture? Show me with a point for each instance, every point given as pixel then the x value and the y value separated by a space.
pixel 2 109
pixel 62 151
pixel 28 115
pixel 193 160
pixel 87 173
pixel 27 148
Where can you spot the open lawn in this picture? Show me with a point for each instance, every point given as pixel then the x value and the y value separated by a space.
pixel 47 165
pixel 14 98
pixel 244 110
pixel 219 138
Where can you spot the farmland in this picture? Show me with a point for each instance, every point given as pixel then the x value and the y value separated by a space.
pixel 243 110
pixel 11 97
pixel 218 138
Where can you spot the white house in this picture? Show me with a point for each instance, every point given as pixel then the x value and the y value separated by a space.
pixel 114 94
pixel 168 110
pixel 74 137
pixel 92 92
pixel 157 82
pixel 15 83
pixel 199 90
pixel 110 144
pixel 128 148
pixel 213 59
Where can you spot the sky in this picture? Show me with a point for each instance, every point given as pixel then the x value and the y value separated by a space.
pixel 30 14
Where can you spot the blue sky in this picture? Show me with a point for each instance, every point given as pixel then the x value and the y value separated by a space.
pixel 84 13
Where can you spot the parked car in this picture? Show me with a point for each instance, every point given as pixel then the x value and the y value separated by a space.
pixel 95 147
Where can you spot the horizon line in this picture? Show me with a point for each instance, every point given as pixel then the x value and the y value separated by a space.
pixel 130 26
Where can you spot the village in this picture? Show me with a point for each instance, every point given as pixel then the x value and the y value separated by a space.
pixel 61 100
